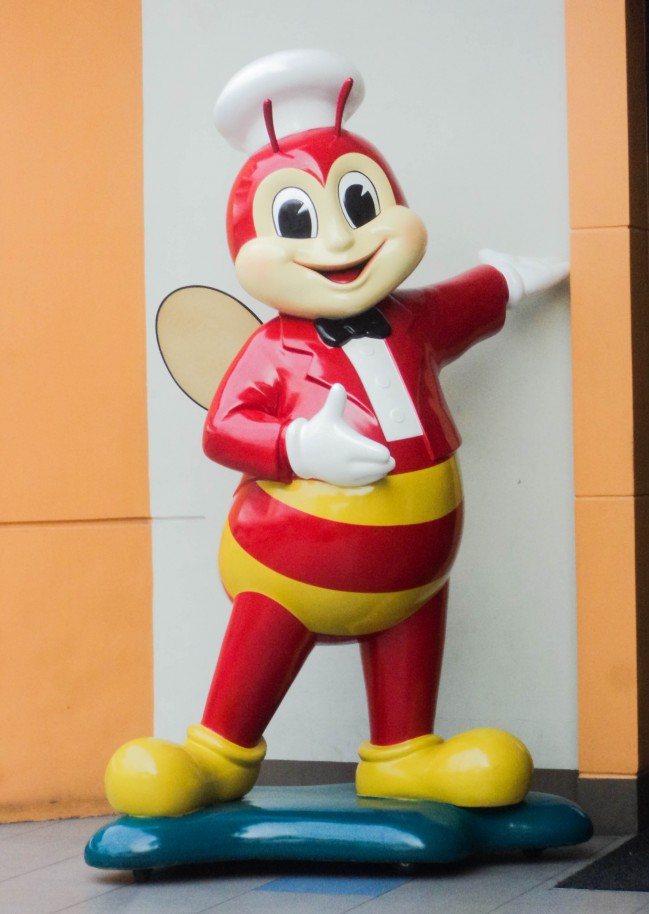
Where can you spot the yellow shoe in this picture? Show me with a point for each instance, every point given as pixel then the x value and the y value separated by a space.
pixel 481 767
pixel 153 777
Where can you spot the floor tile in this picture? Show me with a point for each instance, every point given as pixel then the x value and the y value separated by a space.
pixel 51 843
pixel 190 895
pixel 333 885
pixel 289 903
pixel 575 901
pixel 484 885
pixel 72 886
pixel 11 830
pixel 49 889
pixel 441 894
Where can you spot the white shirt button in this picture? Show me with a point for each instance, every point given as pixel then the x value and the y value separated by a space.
pixel 397 415
pixel 382 381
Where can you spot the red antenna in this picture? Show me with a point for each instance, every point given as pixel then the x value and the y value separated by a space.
pixel 270 126
pixel 343 95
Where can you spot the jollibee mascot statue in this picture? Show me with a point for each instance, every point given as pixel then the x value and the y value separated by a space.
pixel 349 513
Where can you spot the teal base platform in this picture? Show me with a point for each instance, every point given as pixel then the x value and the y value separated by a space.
pixel 331 823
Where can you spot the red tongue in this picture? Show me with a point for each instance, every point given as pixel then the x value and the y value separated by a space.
pixel 348 275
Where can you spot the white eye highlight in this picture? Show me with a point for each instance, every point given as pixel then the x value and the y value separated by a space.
pixel 358 198
pixel 294 215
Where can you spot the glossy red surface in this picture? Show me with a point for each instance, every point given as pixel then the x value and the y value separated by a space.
pixel 325 553
pixel 313 151
pixel 285 371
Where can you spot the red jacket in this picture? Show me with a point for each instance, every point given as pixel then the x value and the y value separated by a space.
pixel 285 372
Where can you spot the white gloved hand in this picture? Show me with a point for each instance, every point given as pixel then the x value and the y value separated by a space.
pixel 326 448
pixel 525 275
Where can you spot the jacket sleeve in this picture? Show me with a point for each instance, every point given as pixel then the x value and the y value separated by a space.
pixel 459 312
pixel 245 429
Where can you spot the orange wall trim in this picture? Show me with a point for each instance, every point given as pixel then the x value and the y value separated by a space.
pixel 75 538
pixel 607 692
pixel 607 118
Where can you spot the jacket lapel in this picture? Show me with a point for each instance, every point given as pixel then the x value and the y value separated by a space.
pixel 323 365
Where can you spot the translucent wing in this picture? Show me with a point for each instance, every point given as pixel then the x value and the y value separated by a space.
pixel 200 331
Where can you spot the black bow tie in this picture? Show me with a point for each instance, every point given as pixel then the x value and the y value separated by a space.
pixel 338 332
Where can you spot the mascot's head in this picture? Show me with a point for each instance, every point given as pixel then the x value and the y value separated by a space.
pixel 317 223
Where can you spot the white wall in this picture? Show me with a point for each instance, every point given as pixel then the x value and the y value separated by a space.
pixel 466 100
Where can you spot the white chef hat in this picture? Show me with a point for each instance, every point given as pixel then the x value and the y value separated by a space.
pixel 303 86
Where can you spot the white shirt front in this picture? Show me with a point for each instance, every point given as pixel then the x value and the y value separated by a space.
pixel 384 386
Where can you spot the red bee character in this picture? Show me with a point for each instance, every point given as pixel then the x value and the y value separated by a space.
pixel 349 513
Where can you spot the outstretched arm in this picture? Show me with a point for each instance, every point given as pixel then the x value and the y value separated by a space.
pixel 525 275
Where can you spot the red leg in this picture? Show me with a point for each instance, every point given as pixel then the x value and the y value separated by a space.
pixel 402 668
pixel 262 652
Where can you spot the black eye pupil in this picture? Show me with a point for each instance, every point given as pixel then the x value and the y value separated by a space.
pixel 294 220
pixel 359 205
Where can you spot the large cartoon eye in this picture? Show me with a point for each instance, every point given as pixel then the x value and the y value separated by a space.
pixel 358 198
pixel 294 214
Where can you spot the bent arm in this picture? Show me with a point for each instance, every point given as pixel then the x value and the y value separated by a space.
pixel 245 429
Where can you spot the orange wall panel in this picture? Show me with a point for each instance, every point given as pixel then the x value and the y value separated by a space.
pixel 76 677
pixel 606 71
pixel 596 52
pixel 75 542
pixel 606 589
pixel 72 325
pixel 602 364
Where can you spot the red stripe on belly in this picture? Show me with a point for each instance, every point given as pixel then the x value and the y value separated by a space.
pixel 342 556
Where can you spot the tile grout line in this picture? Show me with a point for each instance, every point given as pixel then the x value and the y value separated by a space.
pixel 39 869
pixel 71 907
pixel 36 826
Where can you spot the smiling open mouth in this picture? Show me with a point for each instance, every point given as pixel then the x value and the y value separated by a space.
pixel 346 274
